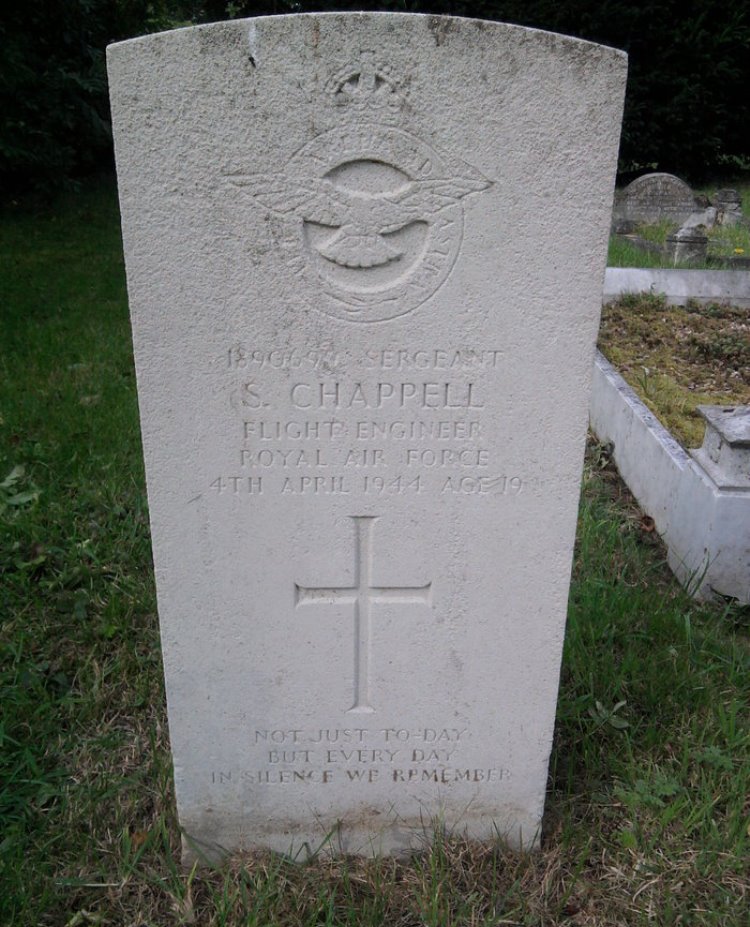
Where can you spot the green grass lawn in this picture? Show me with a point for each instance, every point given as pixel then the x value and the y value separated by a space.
pixel 648 806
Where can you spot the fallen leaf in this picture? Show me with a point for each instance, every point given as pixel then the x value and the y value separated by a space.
pixel 139 837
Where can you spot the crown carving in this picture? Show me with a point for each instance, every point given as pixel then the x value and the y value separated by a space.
pixel 366 87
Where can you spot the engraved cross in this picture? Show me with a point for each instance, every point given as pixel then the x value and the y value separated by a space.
pixel 362 596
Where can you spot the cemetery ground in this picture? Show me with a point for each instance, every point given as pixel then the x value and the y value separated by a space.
pixel 725 242
pixel 677 358
pixel 648 808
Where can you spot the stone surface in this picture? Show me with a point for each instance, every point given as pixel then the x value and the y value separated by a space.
pixel 728 198
pixel 362 482
pixel 707 218
pixel 654 198
pixel 731 423
pixel 704 286
pixel 725 452
pixel 688 244
pixel 728 204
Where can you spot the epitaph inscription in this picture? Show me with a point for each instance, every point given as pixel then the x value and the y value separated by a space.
pixel 339 756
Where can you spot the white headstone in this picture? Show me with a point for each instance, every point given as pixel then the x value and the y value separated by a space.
pixel 365 257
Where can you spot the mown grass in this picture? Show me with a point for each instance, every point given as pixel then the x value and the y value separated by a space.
pixel 647 812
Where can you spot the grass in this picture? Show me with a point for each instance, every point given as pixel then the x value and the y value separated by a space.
pixel 648 814
pixel 622 253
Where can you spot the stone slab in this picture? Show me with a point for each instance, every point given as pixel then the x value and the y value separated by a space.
pixel 728 204
pixel 358 248
pixel 679 286
pixel 732 423
pixel 725 453
pixel 654 198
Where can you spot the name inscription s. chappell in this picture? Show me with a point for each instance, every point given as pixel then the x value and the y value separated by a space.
pixel 417 428
pixel 360 755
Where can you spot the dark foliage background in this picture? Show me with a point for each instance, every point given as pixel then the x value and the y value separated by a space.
pixel 686 109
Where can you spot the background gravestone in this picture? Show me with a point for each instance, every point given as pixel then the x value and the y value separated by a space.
pixel 654 198
pixel 728 203
pixel 364 405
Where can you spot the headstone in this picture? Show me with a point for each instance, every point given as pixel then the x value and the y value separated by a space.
pixel 728 204
pixel 688 245
pixel 655 198
pixel 365 258
pixel 707 218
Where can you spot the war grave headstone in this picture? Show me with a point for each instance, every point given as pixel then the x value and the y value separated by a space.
pixel 363 403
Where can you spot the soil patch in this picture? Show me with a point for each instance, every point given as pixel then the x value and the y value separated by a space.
pixel 677 358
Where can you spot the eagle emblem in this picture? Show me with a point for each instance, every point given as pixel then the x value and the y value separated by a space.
pixel 360 222
pixel 371 218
